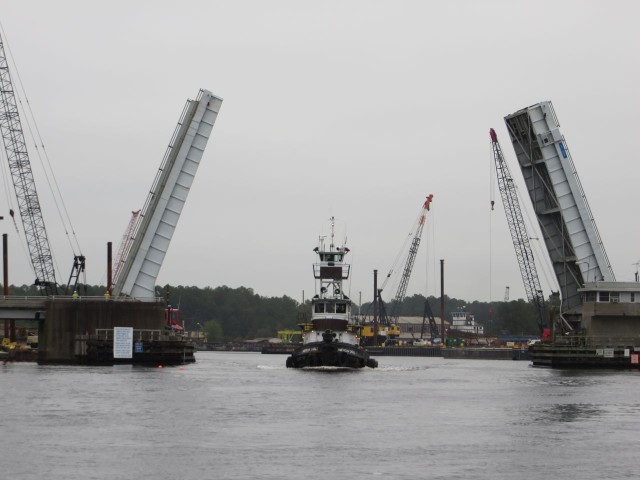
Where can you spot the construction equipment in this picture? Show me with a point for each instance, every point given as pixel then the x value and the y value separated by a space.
pixel 519 235
pixel 125 243
pixel 25 188
pixel 433 328
pixel 380 330
pixel 411 257
pixel 388 323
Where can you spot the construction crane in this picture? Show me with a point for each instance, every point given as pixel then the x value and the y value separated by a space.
pixel 125 244
pixel 519 235
pixel 411 257
pixel 388 323
pixel 25 189
pixel 433 328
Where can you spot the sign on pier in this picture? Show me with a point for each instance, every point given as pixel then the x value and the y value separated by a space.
pixel 122 342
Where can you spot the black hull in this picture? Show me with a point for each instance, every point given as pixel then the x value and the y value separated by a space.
pixel 323 354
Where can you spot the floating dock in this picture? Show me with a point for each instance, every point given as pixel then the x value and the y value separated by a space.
pixel 150 347
pixel 405 351
pixel 487 353
pixel 483 353
pixel 612 356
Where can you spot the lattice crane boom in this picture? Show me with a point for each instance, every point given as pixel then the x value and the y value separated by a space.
pixel 23 182
pixel 411 257
pixel 518 230
pixel 125 244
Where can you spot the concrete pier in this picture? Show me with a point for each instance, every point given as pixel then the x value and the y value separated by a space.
pixel 67 318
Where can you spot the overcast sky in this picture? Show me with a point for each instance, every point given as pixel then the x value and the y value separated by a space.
pixel 352 109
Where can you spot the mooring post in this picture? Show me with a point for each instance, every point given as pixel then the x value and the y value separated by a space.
pixel 5 276
pixel 444 333
pixel 376 309
pixel 109 270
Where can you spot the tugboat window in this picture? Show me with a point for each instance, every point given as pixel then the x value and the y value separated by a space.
pixel 330 308
pixel 319 307
pixel 341 308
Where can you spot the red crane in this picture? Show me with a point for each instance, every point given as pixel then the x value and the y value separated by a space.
pixel 125 244
pixel 411 257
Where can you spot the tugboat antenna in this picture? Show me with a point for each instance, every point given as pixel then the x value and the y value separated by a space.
pixel 333 224
pixel 321 239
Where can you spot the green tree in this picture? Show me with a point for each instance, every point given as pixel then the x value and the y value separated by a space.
pixel 239 313
pixel 213 329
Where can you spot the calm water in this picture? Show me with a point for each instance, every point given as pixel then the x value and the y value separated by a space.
pixel 245 416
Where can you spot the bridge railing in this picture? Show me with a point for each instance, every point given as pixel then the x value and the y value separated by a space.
pixel 22 302
pixel 40 299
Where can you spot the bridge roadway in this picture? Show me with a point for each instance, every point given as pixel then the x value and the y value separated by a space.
pixel 23 308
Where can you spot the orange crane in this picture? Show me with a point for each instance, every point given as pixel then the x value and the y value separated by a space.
pixel 388 327
pixel 411 257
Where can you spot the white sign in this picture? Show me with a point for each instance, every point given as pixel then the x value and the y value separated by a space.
pixel 608 353
pixel 122 342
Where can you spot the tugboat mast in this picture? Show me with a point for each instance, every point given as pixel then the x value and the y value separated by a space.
pixel 333 226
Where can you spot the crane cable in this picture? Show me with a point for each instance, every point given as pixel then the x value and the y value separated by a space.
pixel 47 169
pixel 402 250
pixel 402 253
pixel 9 198
pixel 492 201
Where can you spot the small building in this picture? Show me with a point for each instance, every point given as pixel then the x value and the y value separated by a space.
pixel 610 309
pixel 465 322
pixel 410 327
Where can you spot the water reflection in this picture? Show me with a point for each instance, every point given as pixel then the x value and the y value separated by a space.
pixel 570 412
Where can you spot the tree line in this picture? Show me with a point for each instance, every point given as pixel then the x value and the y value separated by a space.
pixel 230 314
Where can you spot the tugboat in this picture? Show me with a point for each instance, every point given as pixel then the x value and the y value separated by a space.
pixel 331 339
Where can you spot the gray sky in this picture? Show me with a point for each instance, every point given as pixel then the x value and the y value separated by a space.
pixel 357 109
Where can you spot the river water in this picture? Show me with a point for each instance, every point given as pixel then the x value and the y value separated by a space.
pixel 246 416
